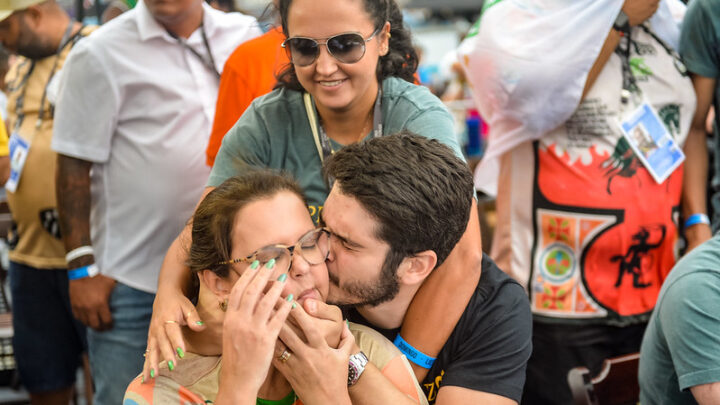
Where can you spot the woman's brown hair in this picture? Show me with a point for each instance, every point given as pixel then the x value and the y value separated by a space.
pixel 213 221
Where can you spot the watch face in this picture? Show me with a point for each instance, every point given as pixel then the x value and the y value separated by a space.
pixel 352 373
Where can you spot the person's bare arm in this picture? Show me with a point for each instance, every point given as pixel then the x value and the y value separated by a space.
pixel 4 169
pixel 442 298
pixel 637 11
pixel 165 339
pixel 696 163
pixel 707 394
pixel 89 296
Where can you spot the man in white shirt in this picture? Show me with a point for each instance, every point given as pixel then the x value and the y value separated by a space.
pixel 135 105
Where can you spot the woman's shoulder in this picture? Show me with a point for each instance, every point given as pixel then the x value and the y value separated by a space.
pixel 375 346
pixel 194 379
pixel 277 100
pixel 399 93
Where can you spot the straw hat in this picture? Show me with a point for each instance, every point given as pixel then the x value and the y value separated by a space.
pixel 8 6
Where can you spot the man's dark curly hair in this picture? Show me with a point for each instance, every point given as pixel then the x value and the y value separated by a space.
pixel 419 191
pixel 401 60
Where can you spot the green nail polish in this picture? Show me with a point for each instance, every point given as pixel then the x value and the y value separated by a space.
pixel 282 277
pixel 294 305
pixel 180 352
pixel 290 298
pixel 199 323
pixel 142 380
pixel 255 265
pixel 152 373
pixel 171 366
pixel 347 323
pixel 270 264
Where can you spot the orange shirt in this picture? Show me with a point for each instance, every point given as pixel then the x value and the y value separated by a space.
pixel 249 73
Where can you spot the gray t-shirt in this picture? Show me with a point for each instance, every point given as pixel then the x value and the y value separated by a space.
pixel 681 346
pixel 274 132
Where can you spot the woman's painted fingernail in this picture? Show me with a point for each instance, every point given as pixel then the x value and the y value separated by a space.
pixel 282 277
pixel 171 365
pixel 347 323
pixel 255 265
pixel 152 373
pixel 180 352
pixel 294 305
pixel 142 380
pixel 199 323
pixel 290 298
pixel 270 264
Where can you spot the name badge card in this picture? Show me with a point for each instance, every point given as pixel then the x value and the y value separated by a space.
pixel 652 143
pixel 19 149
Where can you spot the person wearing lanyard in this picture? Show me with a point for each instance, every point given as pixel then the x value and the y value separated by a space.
pixel 135 105
pixel 592 261
pixel 351 78
pixel 43 35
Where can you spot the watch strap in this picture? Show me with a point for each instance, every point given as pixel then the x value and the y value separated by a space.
pixel 622 22
pixel 356 366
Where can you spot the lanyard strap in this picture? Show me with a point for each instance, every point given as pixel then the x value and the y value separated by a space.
pixel 630 85
pixel 19 104
pixel 208 63
pixel 322 141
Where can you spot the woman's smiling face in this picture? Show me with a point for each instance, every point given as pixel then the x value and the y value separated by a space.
pixel 281 219
pixel 336 85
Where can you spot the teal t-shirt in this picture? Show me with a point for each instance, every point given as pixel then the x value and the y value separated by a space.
pixel 274 132
pixel 700 42
pixel 681 346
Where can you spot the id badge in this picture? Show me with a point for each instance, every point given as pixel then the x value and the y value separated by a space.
pixel 652 143
pixel 19 149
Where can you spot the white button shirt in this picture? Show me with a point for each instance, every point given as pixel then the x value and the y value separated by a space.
pixel 139 105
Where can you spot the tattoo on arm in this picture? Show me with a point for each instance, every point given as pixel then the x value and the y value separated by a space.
pixel 72 188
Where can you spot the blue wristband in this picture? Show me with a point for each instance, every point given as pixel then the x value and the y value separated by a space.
pixel 82 272
pixel 695 219
pixel 413 354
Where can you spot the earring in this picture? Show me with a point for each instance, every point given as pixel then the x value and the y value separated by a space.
pixel 223 305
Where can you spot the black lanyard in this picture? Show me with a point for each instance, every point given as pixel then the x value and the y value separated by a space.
pixel 630 85
pixel 327 148
pixel 209 64
pixel 19 104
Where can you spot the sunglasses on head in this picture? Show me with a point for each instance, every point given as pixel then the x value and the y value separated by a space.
pixel 346 48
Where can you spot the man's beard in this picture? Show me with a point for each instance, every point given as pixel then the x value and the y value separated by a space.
pixel 32 46
pixel 372 293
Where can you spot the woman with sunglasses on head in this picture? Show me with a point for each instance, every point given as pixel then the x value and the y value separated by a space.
pixel 350 78
pixel 258 257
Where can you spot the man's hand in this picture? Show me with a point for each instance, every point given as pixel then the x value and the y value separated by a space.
pixel 327 320
pixel 317 372
pixel 639 11
pixel 90 298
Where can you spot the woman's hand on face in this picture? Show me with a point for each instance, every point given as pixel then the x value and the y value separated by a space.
pixel 171 310
pixel 252 323
pixel 317 372
pixel 327 320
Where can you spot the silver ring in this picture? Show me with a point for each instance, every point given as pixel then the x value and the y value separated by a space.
pixel 284 356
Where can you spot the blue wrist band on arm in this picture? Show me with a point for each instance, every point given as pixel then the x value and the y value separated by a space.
pixel 695 219
pixel 82 272
pixel 413 354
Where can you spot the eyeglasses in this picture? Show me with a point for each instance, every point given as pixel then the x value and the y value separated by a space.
pixel 346 48
pixel 313 247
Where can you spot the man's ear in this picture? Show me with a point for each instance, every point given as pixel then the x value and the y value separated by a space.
pixel 33 14
pixel 216 284
pixel 415 269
